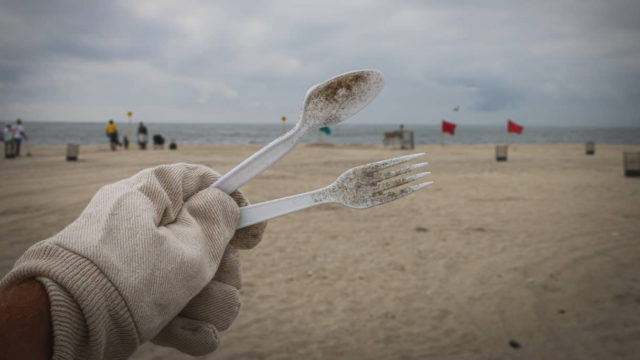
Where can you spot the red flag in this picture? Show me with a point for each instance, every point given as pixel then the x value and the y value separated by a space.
pixel 514 128
pixel 448 127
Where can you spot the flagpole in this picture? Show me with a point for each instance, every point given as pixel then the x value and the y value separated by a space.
pixel 455 109
pixel 441 138
pixel 129 114
pixel 506 138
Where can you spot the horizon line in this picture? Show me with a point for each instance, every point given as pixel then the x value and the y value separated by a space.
pixel 364 124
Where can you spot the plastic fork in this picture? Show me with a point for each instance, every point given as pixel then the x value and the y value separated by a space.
pixel 361 187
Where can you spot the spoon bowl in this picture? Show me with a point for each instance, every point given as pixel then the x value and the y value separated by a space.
pixel 340 97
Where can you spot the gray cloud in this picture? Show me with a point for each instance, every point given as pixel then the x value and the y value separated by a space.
pixel 252 62
pixel 489 95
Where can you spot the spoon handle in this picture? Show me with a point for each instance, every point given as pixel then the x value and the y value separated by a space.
pixel 260 161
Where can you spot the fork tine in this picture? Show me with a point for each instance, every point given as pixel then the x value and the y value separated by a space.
pixel 398 182
pixel 395 195
pixel 393 173
pixel 379 165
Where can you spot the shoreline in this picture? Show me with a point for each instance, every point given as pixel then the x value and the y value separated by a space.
pixel 134 147
pixel 365 134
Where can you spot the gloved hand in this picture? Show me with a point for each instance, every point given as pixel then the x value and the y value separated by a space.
pixel 143 251
pixel 195 330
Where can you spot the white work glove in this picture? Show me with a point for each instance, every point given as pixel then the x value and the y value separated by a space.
pixel 195 330
pixel 138 264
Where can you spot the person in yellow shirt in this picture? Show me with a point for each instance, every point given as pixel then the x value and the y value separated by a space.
pixel 112 134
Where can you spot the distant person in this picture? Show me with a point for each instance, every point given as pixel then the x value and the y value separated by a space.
pixel 125 141
pixel 112 134
pixel 143 136
pixel 173 145
pixel 9 145
pixel 158 141
pixel 18 134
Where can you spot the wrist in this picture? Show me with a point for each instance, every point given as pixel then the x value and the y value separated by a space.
pixel 25 324
pixel 89 317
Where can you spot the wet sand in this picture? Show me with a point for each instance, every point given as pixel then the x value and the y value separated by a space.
pixel 535 258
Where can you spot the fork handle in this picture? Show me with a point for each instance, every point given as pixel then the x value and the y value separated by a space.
pixel 263 211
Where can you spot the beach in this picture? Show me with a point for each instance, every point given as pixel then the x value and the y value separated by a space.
pixel 534 258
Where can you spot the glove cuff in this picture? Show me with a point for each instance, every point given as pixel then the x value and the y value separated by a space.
pixel 90 318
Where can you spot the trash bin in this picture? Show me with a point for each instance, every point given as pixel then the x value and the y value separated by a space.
pixel 501 152
pixel 590 148
pixel 72 152
pixel 631 164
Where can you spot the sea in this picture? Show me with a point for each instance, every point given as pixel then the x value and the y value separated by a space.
pixel 91 133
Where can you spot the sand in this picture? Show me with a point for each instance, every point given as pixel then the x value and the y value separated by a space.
pixel 535 258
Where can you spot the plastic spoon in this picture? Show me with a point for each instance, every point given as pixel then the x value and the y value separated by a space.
pixel 327 103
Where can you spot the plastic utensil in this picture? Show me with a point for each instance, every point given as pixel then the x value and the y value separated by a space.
pixel 360 187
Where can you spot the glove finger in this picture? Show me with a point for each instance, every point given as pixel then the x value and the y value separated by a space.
pixel 192 337
pixel 169 186
pixel 211 217
pixel 217 304
pixel 229 269
pixel 250 236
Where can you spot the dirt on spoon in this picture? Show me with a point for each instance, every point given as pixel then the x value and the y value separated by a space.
pixel 336 90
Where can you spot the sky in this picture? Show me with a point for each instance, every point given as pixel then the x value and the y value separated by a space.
pixel 543 62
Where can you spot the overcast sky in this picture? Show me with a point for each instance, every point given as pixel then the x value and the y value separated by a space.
pixel 561 62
